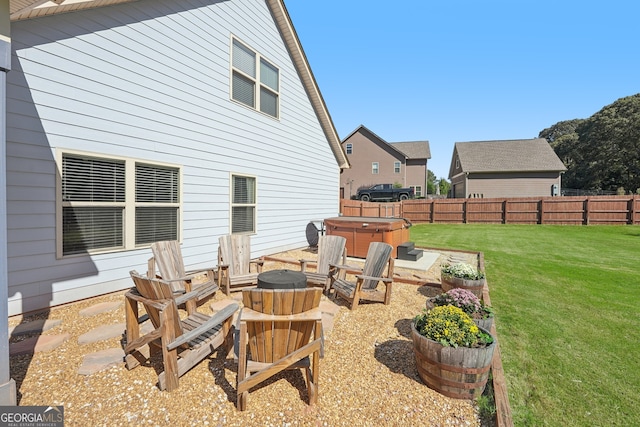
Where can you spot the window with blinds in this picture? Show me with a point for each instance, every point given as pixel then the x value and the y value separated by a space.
pixel 396 167
pixel 255 82
pixel 243 204
pixel 99 215
pixel 375 168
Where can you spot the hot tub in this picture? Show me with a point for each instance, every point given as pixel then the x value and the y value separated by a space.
pixel 360 231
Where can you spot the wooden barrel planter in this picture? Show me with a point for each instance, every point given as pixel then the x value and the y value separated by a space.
pixel 460 373
pixel 476 286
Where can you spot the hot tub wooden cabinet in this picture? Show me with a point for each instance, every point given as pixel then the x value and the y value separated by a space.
pixel 360 231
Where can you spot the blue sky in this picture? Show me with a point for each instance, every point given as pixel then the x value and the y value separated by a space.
pixel 450 71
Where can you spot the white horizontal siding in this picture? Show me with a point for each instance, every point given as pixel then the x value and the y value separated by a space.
pixel 150 80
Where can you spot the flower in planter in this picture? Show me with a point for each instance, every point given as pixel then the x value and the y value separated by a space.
pixel 466 300
pixel 451 327
pixel 463 271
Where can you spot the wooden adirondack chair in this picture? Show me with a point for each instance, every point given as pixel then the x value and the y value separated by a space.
pixel 331 253
pixel 234 263
pixel 279 329
pixel 366 285
pixel 167 257
pixel 184 343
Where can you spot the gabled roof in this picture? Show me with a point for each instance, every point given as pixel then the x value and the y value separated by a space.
pixel 414 149
pixel 519 155
pixel 409 150
pixel 25 9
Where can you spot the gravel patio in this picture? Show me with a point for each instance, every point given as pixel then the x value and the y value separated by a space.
pixel 368 376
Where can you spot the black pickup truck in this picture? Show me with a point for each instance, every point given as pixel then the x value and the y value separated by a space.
pixel 384 192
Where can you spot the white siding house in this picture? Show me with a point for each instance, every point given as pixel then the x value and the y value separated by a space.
pixel 129 123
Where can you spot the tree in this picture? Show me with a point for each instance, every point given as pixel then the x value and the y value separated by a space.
pixel 431 182
pixel 611 142
pixel 603 151
pixel 563 138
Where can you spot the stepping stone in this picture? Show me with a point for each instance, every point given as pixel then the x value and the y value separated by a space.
pixel 101 360
pixel 103 307
pixel 329 307
pixel 36 326
pixel 37 344
pixel 102 333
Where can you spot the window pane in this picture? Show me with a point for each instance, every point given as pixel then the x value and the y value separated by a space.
pixel 349 148
pixel 268 102
pixel 243 90
pixel 243 219
pixel 374 168
pixel 87 228
pixel 92 180
pixel 156 184
pixel 244 59
pixel 269 75
pixel 244 189
pixel 156 223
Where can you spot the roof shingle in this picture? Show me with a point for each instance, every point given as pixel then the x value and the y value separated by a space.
pixel 521 155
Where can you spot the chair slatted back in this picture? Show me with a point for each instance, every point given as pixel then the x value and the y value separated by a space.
pixel 235 251
pixel 157 290
pixel 331 250
pixel 271 340
pixel 377 259
pixel 168 259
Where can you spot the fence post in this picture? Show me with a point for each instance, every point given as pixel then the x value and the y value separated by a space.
pixel 541 212
pixel 632 210
pixel 464 211
pixel 587 208
pixel 433 210
pixel 504 211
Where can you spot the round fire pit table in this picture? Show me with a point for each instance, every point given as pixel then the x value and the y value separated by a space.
pixel 282 279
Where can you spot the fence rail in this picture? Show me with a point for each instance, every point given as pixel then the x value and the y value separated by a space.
pixel 574 210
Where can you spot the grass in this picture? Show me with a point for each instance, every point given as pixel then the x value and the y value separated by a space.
pixel 567 302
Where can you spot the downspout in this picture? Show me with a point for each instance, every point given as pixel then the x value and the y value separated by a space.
pixel 8 396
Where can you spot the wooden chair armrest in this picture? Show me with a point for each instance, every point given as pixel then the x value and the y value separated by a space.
pixel 217 319
pixel 158 304
pixel 187 297
pixel 381 279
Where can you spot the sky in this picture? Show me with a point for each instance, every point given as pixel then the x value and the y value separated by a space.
pixel 466 70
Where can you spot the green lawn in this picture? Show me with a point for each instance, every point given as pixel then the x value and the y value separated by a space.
pixel 567 300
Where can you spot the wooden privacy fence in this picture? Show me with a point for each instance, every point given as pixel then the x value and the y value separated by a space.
pixel 578 210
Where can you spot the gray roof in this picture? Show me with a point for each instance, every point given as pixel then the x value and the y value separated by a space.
pixel 414 149
pixel 522 155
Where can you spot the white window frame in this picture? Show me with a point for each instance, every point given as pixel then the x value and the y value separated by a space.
pixel 375 168
pixel 349 148
pixel 397 167
pixel 129 205
pixel 258 84
pixel 253 204
pixel 417 190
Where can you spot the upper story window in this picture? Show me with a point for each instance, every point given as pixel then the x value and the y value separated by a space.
pixel 457 163
pixel 255 82
pixel 375 168
pixel 396 167
pixel 243 204
pixel 349 148
pixel 109 204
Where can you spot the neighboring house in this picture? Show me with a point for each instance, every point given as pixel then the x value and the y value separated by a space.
pixel 513 168
pixel 375 161
pixel 129 122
